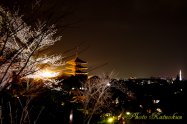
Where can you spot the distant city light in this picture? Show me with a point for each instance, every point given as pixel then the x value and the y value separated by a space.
pixel 141 106
pixel 156 101
pixel 72 88
pixel 62 103
pixel 108 114
pixel 128 113
pixel 117 100
pixel 159 110
pixel 149 110
pixel 81 88
pixel 71 116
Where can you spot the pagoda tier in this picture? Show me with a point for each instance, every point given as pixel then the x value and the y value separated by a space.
pixel 78 72
pixel 76 67
pixel 80 67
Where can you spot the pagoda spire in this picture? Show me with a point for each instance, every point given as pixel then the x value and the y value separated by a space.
pixel 76 53
pixel 77 66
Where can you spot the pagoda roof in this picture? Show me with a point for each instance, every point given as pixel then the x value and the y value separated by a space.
pixel 80 67
pixel 80 72
pixel 78 60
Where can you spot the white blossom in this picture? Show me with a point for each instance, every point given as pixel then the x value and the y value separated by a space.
pixel 20 47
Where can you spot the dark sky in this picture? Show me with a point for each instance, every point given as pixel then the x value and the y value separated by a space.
pixel 138 38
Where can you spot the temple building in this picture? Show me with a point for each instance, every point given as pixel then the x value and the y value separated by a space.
pixel 75 74
pixel 76 67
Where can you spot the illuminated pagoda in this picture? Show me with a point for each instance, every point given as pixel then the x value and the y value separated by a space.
pixel 76 67
pixel 75 74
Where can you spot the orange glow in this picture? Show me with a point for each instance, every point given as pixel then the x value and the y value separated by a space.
pixel 45 74
pixel 48 74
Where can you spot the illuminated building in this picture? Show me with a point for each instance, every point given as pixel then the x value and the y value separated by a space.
pixel 180 75
pixel 75 74
pixel 76 67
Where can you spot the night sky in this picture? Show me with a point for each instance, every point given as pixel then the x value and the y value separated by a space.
pixel 137 38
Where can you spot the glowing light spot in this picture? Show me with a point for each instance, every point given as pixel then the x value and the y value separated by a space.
pixel 44 74
pixel 141 106
pixel 180 75
pixel 71 116
pixel 48 74
pixel 72 88
pixel 159 110
pixel 62 103
pixel 128 113
pixel 110 120
pixel 156 101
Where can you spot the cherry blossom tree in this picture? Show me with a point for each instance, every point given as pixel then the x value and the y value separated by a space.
pixel 21 46
pixel 22 60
